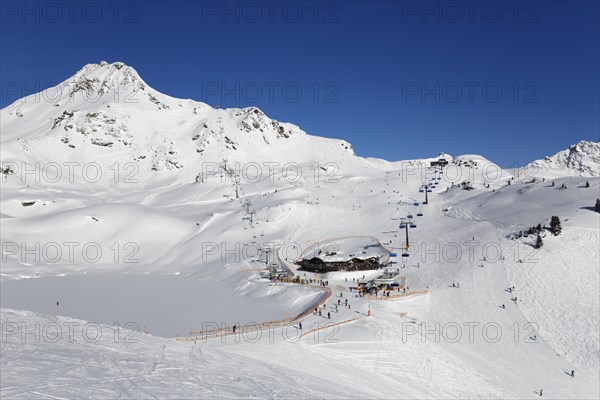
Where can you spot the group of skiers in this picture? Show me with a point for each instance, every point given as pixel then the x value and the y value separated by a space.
pixel 319 281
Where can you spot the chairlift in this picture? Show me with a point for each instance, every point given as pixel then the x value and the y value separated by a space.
pixel 419 214
pixel 413 225
pixel 409 216
pixel 404 254
pixel 425 202
pixel 402 226
pixel 421 190
pixel 429 190
pixel 415 204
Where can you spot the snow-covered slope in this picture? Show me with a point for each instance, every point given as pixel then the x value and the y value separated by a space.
pixel 581 159
pixel 130 206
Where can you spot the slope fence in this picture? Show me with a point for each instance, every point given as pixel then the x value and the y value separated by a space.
pixel 228 330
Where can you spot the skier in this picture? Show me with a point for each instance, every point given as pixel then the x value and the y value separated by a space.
pixel 541 392
pixel 328 315
pixel 453 284
pixel 339 301
pixel 346 302
pixel 502 306
pixel 234 327
pixel 319 312
pixel 300 325
pixel 572 373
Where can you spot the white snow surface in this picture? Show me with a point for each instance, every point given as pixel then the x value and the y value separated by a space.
pixel 178 252
pixel 348 248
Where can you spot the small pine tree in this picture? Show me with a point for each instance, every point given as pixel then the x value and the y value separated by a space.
pixel 555 226
pixel 539 242
pixel 538 228
pixel 587 184
pixel 552 183
pixel 597 207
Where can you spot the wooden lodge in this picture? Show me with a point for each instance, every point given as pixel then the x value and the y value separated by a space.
pixel 442 162
pixel 355 264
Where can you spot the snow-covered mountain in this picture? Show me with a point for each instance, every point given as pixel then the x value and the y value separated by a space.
pixel 107 113
pixel 128 205
pixel 581 159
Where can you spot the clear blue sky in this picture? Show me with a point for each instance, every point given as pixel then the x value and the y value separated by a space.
pixel 397 79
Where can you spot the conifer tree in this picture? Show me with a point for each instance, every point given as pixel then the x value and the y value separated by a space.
pixel 555 226
pixel 539 242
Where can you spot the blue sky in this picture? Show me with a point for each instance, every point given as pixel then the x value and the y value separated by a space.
pixel 511 80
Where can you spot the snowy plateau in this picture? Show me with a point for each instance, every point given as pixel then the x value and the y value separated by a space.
pixel 138 229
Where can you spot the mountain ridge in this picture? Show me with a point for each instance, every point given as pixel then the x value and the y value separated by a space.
pixel 108 108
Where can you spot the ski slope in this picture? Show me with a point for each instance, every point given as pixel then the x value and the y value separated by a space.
pixel 179 251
